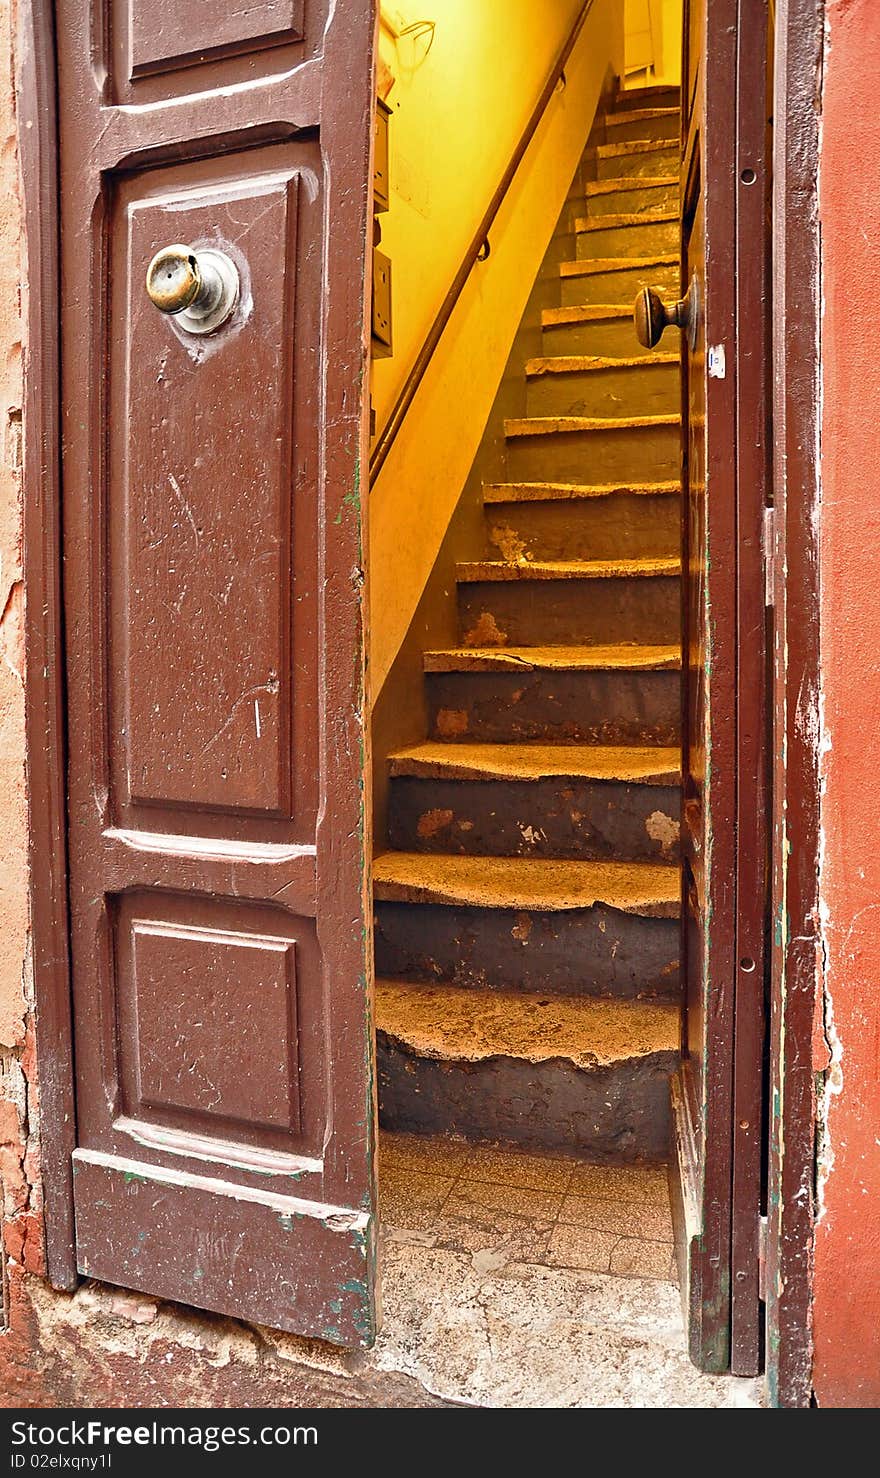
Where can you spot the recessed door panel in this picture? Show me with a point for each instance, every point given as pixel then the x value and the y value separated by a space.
pixel 163 36
pixel 211 572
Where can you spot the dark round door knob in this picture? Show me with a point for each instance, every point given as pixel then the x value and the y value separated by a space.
pixel 198 288
pixel 652 316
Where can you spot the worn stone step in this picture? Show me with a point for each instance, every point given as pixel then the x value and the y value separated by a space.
pixel 628 234
pixel 561 520
pixel 628 196
pixel 642 123
pixel 554 602
pixel 615 280
pixel 653 95
pixel 640 158
pixel 590 802
pixel 636 764
pixel 598 385
pixel 589 1076
pixel 601 330
pixel 584 951
pixel 596 695
pixel 583 448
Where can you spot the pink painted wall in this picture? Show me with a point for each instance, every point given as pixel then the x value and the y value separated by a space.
pixel 847 1267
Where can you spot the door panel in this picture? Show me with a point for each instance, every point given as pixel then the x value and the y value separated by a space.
pixel 220 937
pixel 724 654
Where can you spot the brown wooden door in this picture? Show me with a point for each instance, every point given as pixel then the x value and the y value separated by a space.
pixel 718 1095
pixel 220 932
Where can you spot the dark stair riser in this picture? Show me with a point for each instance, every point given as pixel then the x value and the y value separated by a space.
pixel 646 390
pixel 606 338
pixel 628 454
pixel 605 707
pixel 648 238
pixel 589 819
pixel 624 129
pixel 596 951
pixel 654 95
pixel 594 289
pixel 617 1114
pixel 613 526
pixel 645 610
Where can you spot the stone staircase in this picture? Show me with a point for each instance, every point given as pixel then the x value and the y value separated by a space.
pixel 527 910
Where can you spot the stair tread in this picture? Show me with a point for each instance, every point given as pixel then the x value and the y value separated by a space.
pixel 623 219
pixel 623 182
pixel 625 95
pixel 597 266
pixel 546 492
pixel 631 146
pixel 551 425
pixel 466 1025
pixel 569 364
pixel 548 883
pixel 586 313
pixel 641 567
pixel 627 657
pixel 639 115
pixel 639 764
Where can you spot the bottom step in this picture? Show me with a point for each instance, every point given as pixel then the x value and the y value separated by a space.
pixel 588 1076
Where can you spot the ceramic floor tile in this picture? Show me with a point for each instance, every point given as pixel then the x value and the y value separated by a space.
pixel 429 1156
pixel 648 1184
pixel 407 1199
pixel 633 1258
pixel 580 1247
pixel 507 1167
pixel 628 1218
pixel 473 1195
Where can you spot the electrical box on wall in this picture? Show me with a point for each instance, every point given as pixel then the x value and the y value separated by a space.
pixel 381 180
pixel 381 325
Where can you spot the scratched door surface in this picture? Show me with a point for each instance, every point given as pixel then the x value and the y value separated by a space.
pixel 212 595
pixel 718 1093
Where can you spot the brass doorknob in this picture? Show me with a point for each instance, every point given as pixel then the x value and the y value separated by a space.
pixel 652 316
pixel 198 288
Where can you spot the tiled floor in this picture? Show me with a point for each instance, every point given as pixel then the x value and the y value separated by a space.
pixel 543 1209
pixel 522 1280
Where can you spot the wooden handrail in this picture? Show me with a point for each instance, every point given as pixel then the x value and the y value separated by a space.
pixel 477 251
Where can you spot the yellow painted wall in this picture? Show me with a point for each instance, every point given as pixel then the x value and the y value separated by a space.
pixel 653 39
pixel 456 115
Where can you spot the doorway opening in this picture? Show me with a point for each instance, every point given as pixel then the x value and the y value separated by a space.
pixel 528 887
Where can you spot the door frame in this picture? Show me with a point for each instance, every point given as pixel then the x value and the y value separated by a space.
pixel 46 765
pixel 795 696
pixel 794 568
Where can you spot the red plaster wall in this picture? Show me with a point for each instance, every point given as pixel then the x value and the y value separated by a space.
pixel 847 1268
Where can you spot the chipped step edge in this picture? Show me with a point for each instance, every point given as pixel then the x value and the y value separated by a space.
pixel 626 657
pixel 541 492
pixel 599 266
pixel 574 425
pixel 469 572
pixel 534 763
pixel 551 885
pixel 622 183
pixel 460 1026
pixel 623 221
pixel 586 364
